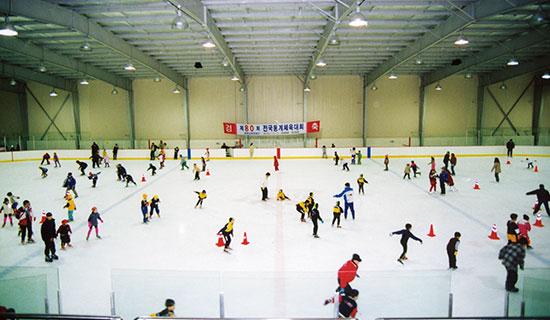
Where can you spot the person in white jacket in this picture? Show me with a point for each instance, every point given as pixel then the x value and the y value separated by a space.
pixel 264 186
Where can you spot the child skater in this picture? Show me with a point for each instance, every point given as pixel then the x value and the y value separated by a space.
pixel 281 196
pixel 7 211
pixel 197 172
pixel 153 169
pixel 129 179
pixel 64 232
pixel 44 172
pixel 82 166
pixel 450 181
pixel 529 163
pixel 92 223
pixel 56 160
pixel 353 154
pixel 227 232
pixel 106 160
pixel 433 181
pixel 315 216
pixel 407 171
pixel 386 162
pixel 154 206
pixel 207 154
pixel 345 166
pixel 405 235
pixel 275 163
pixel 93 176
pixel 45 158
pixel 162 158
pixel 13 200
pixel 524 228
pixel 336 158
pixel 302 208
pixel 361 183
pixel 203 161
pixel 414 168
pixel 432 163
pixel 202 196
pixel 70 205
pixel 183 163
pixel 144 209
pixel 336 212
pixel 452 250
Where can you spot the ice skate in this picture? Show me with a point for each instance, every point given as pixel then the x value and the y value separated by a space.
pixel 55 257
pixel 30 241
pixel 315 236
pixel 98 237
pixel 48 259
pixel 400 261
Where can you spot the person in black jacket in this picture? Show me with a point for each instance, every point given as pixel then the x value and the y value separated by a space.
pixel 82 166
pixel 348 306
pixel 315 216
pixel 510 145
pixel 543 196
pixel 153 169
pixel 336 158
pixel 49 234
pixel 129 179
pixel 446 160
pixel 452 250
pixel 405 235
pixel 512 229
pixel 115 151
pixel 120 172
pixel 168 311
pixel 96 160
pixel 93 176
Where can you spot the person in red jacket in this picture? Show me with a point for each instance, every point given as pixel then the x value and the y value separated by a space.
pixel 347 274
pixel 276 163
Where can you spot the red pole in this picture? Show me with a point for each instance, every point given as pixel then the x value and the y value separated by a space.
pixel 278 153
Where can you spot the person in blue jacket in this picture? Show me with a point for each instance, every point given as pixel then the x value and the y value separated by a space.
pixel 405 235
pixel 443 178
pixel 347 193
pixel 70 184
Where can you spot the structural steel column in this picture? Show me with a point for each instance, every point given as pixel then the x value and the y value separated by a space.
pixel 421 98
pixel 131 112
pixel 186 107
pixel 365 114
pixel 537 108
pixel 245 104
pixel 479 112
pixel 76 115
pixel 305 116
pixel 24 112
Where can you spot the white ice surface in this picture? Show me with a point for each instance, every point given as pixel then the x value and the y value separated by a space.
pixel 284 271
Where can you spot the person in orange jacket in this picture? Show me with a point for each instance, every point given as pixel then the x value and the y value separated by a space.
pixel 347 274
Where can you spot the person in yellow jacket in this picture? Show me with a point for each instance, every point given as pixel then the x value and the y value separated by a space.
pixel 70 205
pixel 336 212
pixel 361 182
pixel 202 196
pixel 281 196
pixel 303 208
pixel 227 232
pixel 168 312
pixel 311 203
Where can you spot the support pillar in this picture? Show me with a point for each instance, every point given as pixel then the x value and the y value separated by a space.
pixel 365 114
pixel 24 112
pixel 76 115
pixel 245 104
pixel 305 116
pixel 131 112
pixel 479 112
pixel 537 108
pixel 421 102
pixel 186 109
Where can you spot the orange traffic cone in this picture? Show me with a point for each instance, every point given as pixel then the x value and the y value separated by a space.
pixel 220 241
pixel 431 234
pixel 207 172
pixel 494 235
pixel 143 178
pixel 508 161
pixel 538 222
pixel 536 169
pixel 245 240
pixel 476 185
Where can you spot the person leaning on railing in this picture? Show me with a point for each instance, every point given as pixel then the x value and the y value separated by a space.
pixel 168 311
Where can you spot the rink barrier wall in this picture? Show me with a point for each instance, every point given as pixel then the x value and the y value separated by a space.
pixel 293 153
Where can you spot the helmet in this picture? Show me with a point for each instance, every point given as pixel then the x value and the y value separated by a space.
pixel 144 196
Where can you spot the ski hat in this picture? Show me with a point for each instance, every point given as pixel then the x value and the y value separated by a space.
pixel 144 196
pixel 356 257
pixel 49 214
pixel 169 303
pixel 64 221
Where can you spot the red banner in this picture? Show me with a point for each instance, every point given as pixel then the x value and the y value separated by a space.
pixel 229 128
pixel 313 126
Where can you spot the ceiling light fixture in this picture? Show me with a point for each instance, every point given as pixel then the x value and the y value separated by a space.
pixel 357 19
pixel 334 40
pixel 7 29
pixel 392 76
pixel 241 89
pixel 129 67
pixel 53 93
pixel 13 83
pixel 209 44
pixel 235 78
pixel 512 62
pixel 438 87
pixel 503 86
pixel 461 41
pixel 157 79
pixel 313 77
pixel 179 22
pixel 468 76
pixel 42 68
pixel 546 76
pixel 374 87
pixel 307 89
pixel 225 62
pixel 86 47
pixel 418 61
pixel 84 82
pixel 114 92
pixel 176 90
pixel 321 63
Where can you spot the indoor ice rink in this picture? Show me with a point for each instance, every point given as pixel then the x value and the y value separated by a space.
pixel 121 116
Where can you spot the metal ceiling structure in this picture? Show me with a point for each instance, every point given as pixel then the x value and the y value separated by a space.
pixel 271 37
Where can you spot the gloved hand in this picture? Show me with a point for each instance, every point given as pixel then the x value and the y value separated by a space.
pixel 391 234
pixel 456 253
pixel 421 242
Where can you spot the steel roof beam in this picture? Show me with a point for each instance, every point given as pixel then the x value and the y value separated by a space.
pixel 53 14
pixel 506 48
pixel 478 10
pixel 539 64
pixel 16 72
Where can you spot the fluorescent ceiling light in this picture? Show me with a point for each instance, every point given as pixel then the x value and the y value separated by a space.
pixel 84 82
pixel 461 41
pixel 235 78
pixel 512 62
pixel 209 44
pixel 392 76
pixel 321 63
pixel 53 93
pixel 129 67
pixel 357 19
pixel 7 29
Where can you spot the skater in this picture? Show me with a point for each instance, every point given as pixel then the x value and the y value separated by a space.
pixel 345 166
pixel 13 200
pixel 183 163
pixel 386 162
pixel 450 181
pixel 120 172
pixel 347 273
pixel 353 155
pixel 405 235
pixel 197 171
pixel 361 183
pixel 154 206
pixel 415 170
pixel 106 160
pixel 64 233
pixel 70 205
pixel 443 177
pixel 432 163
pixel 264 185
pixel 43 172
pixel 496 169
pixel 275 163
pixel 510 145
pixel 92 223
pixel 336 212
pixel 251 150
pixel 26 218
pixel 96 160
pixel 324 156
pixel 162 158
pixel 152 168
pixel 512 229
pixel 45 158
pixel 407 171
pixel 82 167
pixel 453 163
pixel 446 159
pixel 207 154
pixel 452 250
pixel 359 157
pixel 144 208
pixel 433 181
pixel 70 184
pixel 129 179
pixel 227 232
pixel 315 216
pixel 115 151
pixel 524 227
pixel 48 236
pixel 543 196
pixel 93 176
pixel 303 208
pixel 347 193
pixel 512 255
pixel 202 196
pixel 310 203
pixel 529 163
pixel 176 152
pixel 281 196
pixel 168 312
pixel 347 308
pixel 56 160
pixel 336 158
pixel 95 149
pixel 152 152
pixel 7 211
pixel 203 161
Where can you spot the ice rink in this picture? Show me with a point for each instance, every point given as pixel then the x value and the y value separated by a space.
pixel 284 272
